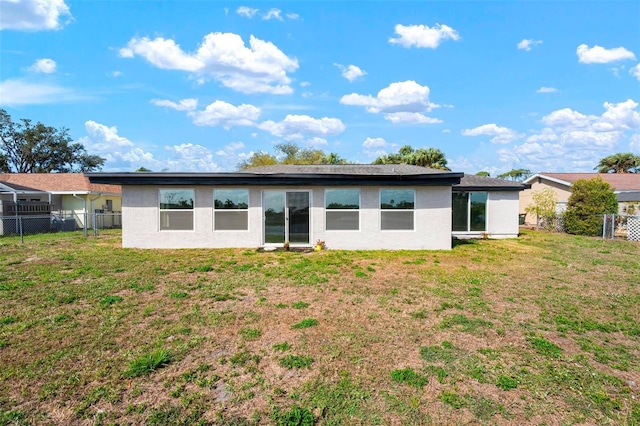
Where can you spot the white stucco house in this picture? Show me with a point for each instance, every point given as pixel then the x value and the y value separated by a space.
pixel 346 206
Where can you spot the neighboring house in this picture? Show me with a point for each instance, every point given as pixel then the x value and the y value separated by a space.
pixel 625 185
pixel 346 206
pixel 69 195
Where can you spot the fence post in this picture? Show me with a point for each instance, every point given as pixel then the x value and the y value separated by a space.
pixel 613 226
pixel 604 227
pixel 20 226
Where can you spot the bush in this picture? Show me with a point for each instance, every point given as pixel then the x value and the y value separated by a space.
pixel 590 199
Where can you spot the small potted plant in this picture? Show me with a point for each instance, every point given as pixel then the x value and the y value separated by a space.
pixel 320 245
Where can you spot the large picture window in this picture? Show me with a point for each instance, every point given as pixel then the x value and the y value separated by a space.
pixel 342 207
pixel 469 211
pixel 176 209
pixel 231 209
pixel 396 209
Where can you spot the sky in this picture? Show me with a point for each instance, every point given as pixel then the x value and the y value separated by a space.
pixel 198 86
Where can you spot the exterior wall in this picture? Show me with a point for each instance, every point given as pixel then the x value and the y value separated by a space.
pixel 562 196
pixel 502 214
pixel 71 205
pixel 432 221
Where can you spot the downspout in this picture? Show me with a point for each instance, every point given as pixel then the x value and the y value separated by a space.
pixel 84 200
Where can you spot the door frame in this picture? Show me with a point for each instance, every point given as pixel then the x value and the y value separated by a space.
pixel 286 212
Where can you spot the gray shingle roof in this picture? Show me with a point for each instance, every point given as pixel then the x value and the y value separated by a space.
pixel 346 169
pixel 483 183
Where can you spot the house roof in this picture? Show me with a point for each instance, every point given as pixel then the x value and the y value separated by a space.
pixel 60 183
pixel 484 183
pixel 6 187
pixel 311 175
pixel 618 181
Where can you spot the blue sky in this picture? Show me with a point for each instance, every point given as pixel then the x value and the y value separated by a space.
pixel 200 85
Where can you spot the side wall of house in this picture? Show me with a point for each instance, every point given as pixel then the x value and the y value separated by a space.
pixel 502 214
pixel 562 196
pixel 141 228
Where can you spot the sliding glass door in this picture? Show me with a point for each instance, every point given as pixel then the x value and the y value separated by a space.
pixel 286 217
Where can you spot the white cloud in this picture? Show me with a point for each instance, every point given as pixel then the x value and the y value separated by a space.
pixel 545 89
pixel 116 74
pixel 635 71
pixel 297 127
pixel 634 143
pixel 292 16
pixel 500 134
pixel 272 14
pixel 46 66
pixel 527 43
pixel 411 118
pixel 566 118
pixel 123 154
pixel 305 84
pixel 184 105
pixel 247 12
pixel 446 131
pixel 21 92
pixel 375 143
pixel 220 113
pixel 33 15
pixel 576 141
pixel 600 55
pixel 259 68
pixel 402 102
pixel 422 36
pixel 351 72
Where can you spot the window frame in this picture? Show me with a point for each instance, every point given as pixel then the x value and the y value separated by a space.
pixel 328 210
pixel 391 210
pixel 215 210
pixel 161 210
pixel 468 211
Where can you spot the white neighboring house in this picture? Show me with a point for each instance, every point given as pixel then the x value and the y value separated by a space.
pixel 626 186
pixel 68 195
pixel 346 206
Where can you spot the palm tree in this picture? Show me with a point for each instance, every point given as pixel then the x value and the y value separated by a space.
pixel 622 162
pixel 517 175
pixel 424 157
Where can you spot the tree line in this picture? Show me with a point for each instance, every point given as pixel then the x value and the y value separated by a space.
pixel 26 147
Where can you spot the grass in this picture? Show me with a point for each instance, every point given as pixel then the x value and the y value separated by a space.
pixel 544 329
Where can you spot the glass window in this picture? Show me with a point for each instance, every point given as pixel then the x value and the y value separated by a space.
pixel 397 208
pixel 469 211
pixel 231 209
pixel 176 209
pixel 342 209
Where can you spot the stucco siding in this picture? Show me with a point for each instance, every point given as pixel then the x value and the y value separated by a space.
pixel 432 221
pixel 502 214
pixel 562 195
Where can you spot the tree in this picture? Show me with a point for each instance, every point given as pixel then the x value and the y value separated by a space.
pixel 424 157
pixel 291 153
pixel 36 148
pixel 590 199
pixel 517 175
pixel 622 162
pixel 544 207
pixel 483 173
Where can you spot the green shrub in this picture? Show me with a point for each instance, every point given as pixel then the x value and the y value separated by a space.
pixel 590 199
pixel 296 416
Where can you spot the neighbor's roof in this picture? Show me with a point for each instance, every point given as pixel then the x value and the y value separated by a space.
pixel 618 181
pixel 484 183
pixel 57 183
pixel 6 187
pixel 316 175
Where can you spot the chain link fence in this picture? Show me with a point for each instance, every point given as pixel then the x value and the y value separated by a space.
pixel 18 227
pixel 613 225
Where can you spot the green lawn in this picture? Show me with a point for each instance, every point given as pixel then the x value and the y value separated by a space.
pixel 540 330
